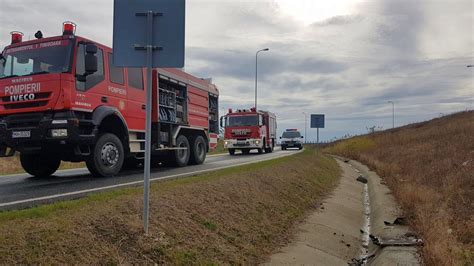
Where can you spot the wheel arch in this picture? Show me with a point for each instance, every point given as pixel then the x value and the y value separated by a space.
pixel 109 119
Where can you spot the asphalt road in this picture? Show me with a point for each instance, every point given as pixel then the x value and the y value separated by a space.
pixel 22 190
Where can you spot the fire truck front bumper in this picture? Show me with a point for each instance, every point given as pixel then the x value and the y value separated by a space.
pixel 34 132
pixel 242 144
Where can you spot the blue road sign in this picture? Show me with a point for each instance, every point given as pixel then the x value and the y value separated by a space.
pixel 317 121
pixel 130 32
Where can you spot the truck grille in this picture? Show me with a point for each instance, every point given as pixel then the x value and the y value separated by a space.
pixel 41 99
pixel 24 120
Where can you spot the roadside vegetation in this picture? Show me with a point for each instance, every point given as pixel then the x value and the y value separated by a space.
pixel 239 215
pixel 429 167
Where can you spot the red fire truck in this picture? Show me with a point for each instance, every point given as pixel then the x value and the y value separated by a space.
pixel 246 130
pixel 62 99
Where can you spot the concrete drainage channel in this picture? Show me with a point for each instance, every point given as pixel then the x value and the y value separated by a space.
pixel 386 239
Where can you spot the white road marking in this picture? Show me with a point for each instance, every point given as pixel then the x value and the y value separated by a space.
pixel 138 182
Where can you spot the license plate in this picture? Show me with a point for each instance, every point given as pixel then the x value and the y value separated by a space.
pixel 21 134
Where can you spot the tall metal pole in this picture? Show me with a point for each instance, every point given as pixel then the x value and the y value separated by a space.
pixel 305 126
pixel 472 96
pixel 317 137
pixel 256 73
pixel 393 113
pixel 149 64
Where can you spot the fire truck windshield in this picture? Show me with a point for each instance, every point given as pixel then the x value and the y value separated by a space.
pixel 38 58
pixel 245 120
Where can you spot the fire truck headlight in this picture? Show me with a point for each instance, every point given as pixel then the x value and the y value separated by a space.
pixel 59 133
pixel 257 142
pixel 226 142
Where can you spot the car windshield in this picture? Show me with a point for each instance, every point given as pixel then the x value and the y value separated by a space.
pixel 291 134
pixel 245 120
pixel 38 58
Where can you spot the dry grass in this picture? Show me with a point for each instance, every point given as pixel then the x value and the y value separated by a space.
pixel 11 165
pixel 234 216
pixel 430 169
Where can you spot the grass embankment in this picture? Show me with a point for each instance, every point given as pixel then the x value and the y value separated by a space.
pixel 11 165
pixel 429 167
pixel 238 215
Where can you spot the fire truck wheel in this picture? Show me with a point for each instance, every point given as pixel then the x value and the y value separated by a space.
pixel 198 150
pixel 269 149
pixel 260 150
pixel 181 157
pixel 231 151
pixel 107 156
pixel 42 165
pixel 245 151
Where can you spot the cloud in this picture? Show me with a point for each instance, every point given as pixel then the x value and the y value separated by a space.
pixel 347 66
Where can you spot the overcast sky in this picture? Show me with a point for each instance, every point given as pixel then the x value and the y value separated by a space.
pixel 343 58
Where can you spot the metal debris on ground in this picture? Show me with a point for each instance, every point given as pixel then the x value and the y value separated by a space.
pixel 397 221
pixel 362 179
pixel 396 242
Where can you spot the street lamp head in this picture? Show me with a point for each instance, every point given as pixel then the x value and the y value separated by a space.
pixel 266 49
pixel 470 65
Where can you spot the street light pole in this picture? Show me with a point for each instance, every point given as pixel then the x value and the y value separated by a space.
pixel 256 74
pixel 472 98
pixel 393 113
pixel 305 126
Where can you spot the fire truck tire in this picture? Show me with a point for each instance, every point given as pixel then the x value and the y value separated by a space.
pixel 107 156
pixel 181 157
pixel 260 150
pixel 231 151
pixel 42 165
pixel 269 149
pixel 198 150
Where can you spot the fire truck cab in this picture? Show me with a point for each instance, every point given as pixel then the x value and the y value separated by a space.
pixel 246 130
pixel 62 99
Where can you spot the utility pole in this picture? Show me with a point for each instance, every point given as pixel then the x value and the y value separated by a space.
pixel 472 95
pixel 305 126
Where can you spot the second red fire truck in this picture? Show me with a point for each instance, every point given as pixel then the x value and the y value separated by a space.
pixel 247 130
pixel 62 99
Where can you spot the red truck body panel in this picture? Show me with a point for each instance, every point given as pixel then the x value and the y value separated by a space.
pixel 57 91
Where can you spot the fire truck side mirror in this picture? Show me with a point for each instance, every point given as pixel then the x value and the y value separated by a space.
pixel 90 61
pixel 90 64
pixel 280 137
pixel 221 121
pixel 91 49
